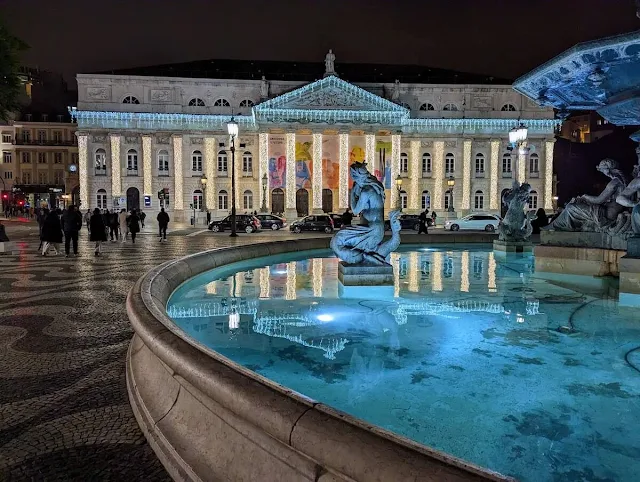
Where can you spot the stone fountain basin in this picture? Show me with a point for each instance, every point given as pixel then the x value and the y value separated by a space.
pixel 208 418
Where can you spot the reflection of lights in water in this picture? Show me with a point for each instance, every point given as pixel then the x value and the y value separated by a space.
pixel 465 306
pixel 234 320
pixel 533 307
pixel 519 318
pixel 291 281
pixel 316 267
pixel 324 318
pixel 437 271
pixel 211 289
pixel 395 262
pixel 414 282
pixel 265 287
pixel 239 283
pixel 464 272
pixel 214 308
pixel 492 273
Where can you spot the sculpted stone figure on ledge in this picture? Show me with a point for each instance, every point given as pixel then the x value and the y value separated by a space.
pixel 364 244
pixel 605 213
pixel 516 225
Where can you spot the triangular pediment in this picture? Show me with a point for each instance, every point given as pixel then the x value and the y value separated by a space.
pixel 331 93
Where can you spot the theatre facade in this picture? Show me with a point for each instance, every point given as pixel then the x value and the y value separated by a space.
pixel 150 141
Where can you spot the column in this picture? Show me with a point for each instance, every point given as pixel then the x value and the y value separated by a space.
pixel 210 171
pixel 343 180
pixel 464 272
pixel 370 151
pixel 290 286
pixel 116 166
pixel 522 163
pixel 494 201
pixel 395 167
pixel 548 174
pixel 437 200
pixel 263 165
pixel 317 173
pixel 83 169
pixel 147 173
pixel 178 174
pixel 414 270
pixel 316 269
pixel 466 175
pixel 238 163
pixel 414 178
pixel 291 212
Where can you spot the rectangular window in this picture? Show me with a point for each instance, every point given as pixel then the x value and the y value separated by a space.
pixel 26 136
pixel 6 138
pixel 42 177
pixel 58 177
pixel 426 164
pixel 42 157
pixel 26 178
pixel 247 165
pixel 57 137
pixel 8 175
pixel 7 158
pixel 222 163
pixel 479 201
pixel 57 157
pixel 197 201
pixel 479 165
pixel 404 165
pixel 102 200
pixel 450 165
pixel 533 165
pixel 26 158
pixel 42 136
pixel 506 165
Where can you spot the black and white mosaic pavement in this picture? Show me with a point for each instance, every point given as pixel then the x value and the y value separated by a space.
pixel 64 333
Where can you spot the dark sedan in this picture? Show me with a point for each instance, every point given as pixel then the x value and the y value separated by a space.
pixel 321 222
pixel 271 221
pixel 409 221
pixel 244 222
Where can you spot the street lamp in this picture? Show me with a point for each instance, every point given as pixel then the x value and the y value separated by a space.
pixel 451 182
pixel 399 188
pixel 232 129
pixel 265 181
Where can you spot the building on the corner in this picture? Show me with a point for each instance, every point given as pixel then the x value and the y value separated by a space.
pixel 146 131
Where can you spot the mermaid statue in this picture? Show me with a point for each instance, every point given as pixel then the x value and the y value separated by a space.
pixel 364 244
pixel 516 225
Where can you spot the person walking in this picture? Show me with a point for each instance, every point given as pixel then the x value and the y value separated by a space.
pixel 423 222
pixel 97 231
pixel 163 223
pixel 113 226
pixel 87 218
pixel 433 218
pixel 142 216
pixel 42 217
pixel 124 227
pixel 134 225
pixel 347 217
pixel 208 217
pixel 51 233
pixel 71 225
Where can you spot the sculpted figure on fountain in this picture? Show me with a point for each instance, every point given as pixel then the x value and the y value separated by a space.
pixel 516 225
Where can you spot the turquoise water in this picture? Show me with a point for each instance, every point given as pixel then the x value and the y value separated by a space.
pixel 469 354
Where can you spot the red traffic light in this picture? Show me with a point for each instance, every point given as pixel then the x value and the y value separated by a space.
pixel 20 203
pixel 5 196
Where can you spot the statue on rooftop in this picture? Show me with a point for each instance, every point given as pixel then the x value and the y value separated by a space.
pixel 264 88
pixel 516 225
pixel 329 68
pixel 364 244
pixel 395 95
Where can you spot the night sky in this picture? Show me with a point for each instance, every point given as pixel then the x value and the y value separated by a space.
pixel 503 38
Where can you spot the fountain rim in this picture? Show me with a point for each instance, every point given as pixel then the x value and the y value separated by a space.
pixel 266 405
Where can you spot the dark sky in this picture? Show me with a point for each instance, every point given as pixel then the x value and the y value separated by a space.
pixel 504 38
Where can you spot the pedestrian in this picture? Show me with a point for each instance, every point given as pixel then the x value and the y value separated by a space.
pixel 113 226
pixel 87 219
pixel 124 227
pixel 51 233
pixel 433 218
pixel 347 217
pixel 423 222
pixel 208 217
pixel 163 223
pixel 97 231
pixel 71 225
pixel 42 216
pixel 142 215
pixel 134 225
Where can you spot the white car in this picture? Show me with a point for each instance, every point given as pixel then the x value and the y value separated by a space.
pixel 486 222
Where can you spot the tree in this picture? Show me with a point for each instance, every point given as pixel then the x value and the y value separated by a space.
pixel 10 84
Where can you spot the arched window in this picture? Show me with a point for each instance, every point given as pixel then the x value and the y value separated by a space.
pixel 506 164
pixel 196 161
pixel 197 199
pixel 426 200
pixel 132 162
pixel 478 200
pixel 404 199
pixel 449 163
pixel 221 103
pixel 533 200
pixel 163 163
pixel 450 107
pixel 448 197
pixel 479 163
pixel 247 164
pixel 196 102
pixel 247 200
pixel 101 162
pixel 223 201
pixel 222 162
pixel 101 199
pixel 405 105
pixel 427 106
pixel 130 100
pixel 426 163
pixel 404 163
pixel 534 163
pixel 247 103
pixel 508 108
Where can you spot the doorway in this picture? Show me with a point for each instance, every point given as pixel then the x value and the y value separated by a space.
pixel 302 202
pixel 277 201
pixel 327 200
pixel 133 199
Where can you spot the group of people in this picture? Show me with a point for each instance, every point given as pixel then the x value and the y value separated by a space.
pixel 117 225
pixel 55 224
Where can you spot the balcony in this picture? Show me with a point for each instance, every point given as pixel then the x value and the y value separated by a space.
pixel 132 172
pixel 426 174
pixel 100 171
pixel 507 174
pixel 535 174
pixel 247 173
pixel 48 143
pixel 163 173
pixel 479 174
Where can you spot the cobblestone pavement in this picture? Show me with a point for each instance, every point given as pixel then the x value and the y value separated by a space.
pixel 64 410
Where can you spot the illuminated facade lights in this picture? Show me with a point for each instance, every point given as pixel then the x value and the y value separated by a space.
pixel 548 175
pixel 464 272
pixel 343 177
pixel 491 271
pixel 116 166
pixel 317 170
pixel 466 174
pixel 210 170
pixel 263 160
pixel 147 174
pixel 522 162
pixel 438 174
pixel 395 168
pixel 395 263
pixel 436 270
pixel 414 272
pixel 370 150
pixel 291 170
pixel 290 293
pixel 178 175
pixel 494 201
pixel 83 169
pixel 414 176
pixel 265 282
pixel 316 267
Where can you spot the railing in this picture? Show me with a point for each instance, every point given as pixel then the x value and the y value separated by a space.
pixel 38 142
pixel 479 173
pixel 507 174
pixel 100 172
pixel 426 174
pixel 132 172
pixel 163 173
pixel 534 174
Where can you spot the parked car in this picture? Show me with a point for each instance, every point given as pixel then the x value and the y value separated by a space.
pixel 408 221
pixel 488 222
pixel 321 222
pixel 271 221
pixel 337 220
pixel 244 222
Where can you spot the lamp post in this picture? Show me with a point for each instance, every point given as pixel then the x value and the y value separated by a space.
pixel 518 139
pixel 232 129
pixel 203 182
pixel 265 181
pixel 451 182
pixel 399 188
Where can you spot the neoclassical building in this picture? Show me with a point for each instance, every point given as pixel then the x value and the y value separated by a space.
pixel 139 135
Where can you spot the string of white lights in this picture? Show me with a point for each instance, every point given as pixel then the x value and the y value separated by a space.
pixel 414 270
pixel 116 166
pixel 291 281
pixel 317 170
pixel 210 170
pixel 395 168
pixel 147 174
pixel 370 150
pixel 265 283
pixel 436 261
pixel 263 153
pixel 491 283
pixel 291 170
pixel 414 176
pixel 466 174
pixel 178 172
pixel 522 162
pixel 83 169
pixel 494 202
pixel 438 174
pixel 464 272
pixel 548 174
pixel 343 159
pixel 316 266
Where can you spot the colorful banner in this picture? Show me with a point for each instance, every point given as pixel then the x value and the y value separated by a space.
pixel 382 169
pixel 277 162
pixel 330 164
pixel 304 162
